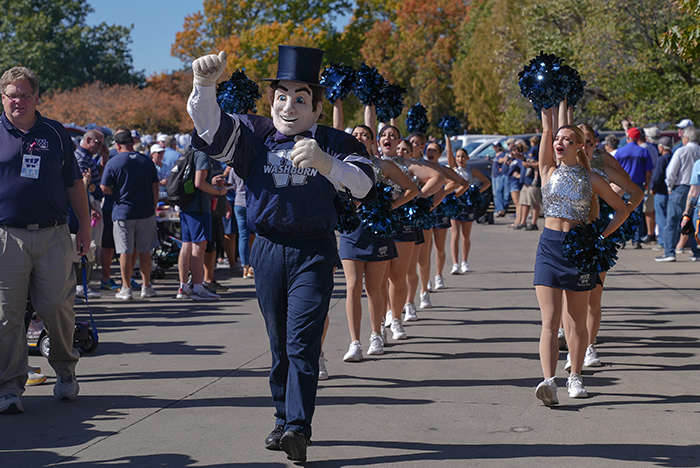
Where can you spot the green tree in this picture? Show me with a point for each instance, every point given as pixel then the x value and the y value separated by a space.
pixel 51 38
pixel 615 45
pixel 492 47
pixel 683 39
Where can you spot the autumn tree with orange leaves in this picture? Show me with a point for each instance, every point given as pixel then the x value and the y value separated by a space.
pixel 416 48
pixel 161 106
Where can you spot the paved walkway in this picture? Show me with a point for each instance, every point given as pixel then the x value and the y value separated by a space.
pixel 180 384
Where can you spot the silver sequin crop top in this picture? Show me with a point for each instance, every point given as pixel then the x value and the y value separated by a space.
pixel 568 193
pixel 465 173
pixel 597 165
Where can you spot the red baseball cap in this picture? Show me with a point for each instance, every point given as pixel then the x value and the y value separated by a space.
pixel 634 133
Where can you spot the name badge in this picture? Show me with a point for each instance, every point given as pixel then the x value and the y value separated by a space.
pixel 30 166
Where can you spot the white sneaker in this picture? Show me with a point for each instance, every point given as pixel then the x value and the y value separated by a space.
pixel 547 392
pixel 124 294
pixel 389 317
pixel 575 384
pixel 561 338
pixel 567 366
pixel 184 293
pixel 204 294
pixel 591 359
pixel 354 353
pixel 382 331
pixel 34 378
pixel 322 371
pixel 148 291
pixel 409 310
pixel 397 330
pixel 66 388
pixel 464 268
pixel 80 292
pixel 376 344
pixel 455 269
pixel 425 301
pixel 439 282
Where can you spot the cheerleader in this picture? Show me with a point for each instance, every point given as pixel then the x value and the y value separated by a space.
pixel 420 263
pixel 609 169
pixel 429 182
pixel 461 226
pixel 567 191
pixel 367 255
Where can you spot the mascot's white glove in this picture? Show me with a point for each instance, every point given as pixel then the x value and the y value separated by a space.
pixel 208 69
pixel 307 153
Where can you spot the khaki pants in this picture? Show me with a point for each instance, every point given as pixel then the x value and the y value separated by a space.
pixel 38 262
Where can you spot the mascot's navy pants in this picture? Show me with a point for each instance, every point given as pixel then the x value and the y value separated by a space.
pixel 294 282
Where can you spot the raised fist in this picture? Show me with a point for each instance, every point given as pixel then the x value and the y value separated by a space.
pixel 208 69
pixel 307 153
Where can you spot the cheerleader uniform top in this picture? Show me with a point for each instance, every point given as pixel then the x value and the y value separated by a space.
pixel 597 165
pixel 568 193
pixel 398 160
pixel 465 173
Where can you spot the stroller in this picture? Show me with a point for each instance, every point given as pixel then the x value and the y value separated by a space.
pixel 167 252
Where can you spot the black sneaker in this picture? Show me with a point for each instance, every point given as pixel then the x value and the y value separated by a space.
pixel 294 444
pixel 272 441
pixel 531 227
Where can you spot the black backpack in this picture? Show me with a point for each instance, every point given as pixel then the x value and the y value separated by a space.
pixel 180 187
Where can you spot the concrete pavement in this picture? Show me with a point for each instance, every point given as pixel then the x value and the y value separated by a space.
pixel 180 384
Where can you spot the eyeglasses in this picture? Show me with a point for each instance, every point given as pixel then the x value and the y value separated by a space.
pixel 18 97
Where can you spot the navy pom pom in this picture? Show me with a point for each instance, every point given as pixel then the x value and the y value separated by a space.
pixel 378 217
pixel 390 102
pixel 417 119
pixel 416 213
pixel 628 229
pixel 450 125
pixel 472 198
pixel 368 85
pixel 348 220
pixel 545 81
pixel 570 85
pixel 450 206
pixel 238 94
pixel 587 251
pixel 339 81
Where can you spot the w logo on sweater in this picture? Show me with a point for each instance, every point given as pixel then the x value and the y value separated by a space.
pixel 280 167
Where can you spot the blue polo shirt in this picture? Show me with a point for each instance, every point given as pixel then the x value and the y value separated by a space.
pixel 635 160
pixel 131 176
pixel 35 169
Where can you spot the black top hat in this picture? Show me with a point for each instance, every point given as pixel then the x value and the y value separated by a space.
pixel 298 64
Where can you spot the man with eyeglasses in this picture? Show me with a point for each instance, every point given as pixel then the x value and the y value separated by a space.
pixel 39 177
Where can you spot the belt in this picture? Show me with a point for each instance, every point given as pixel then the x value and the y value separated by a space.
pixel 36 226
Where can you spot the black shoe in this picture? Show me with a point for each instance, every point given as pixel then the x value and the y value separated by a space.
pixel 531 227
pixel 294 444
pixel 272 441
pixel 637 245
pixel 648 238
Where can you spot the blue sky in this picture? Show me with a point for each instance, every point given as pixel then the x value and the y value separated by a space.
pixel 155 24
